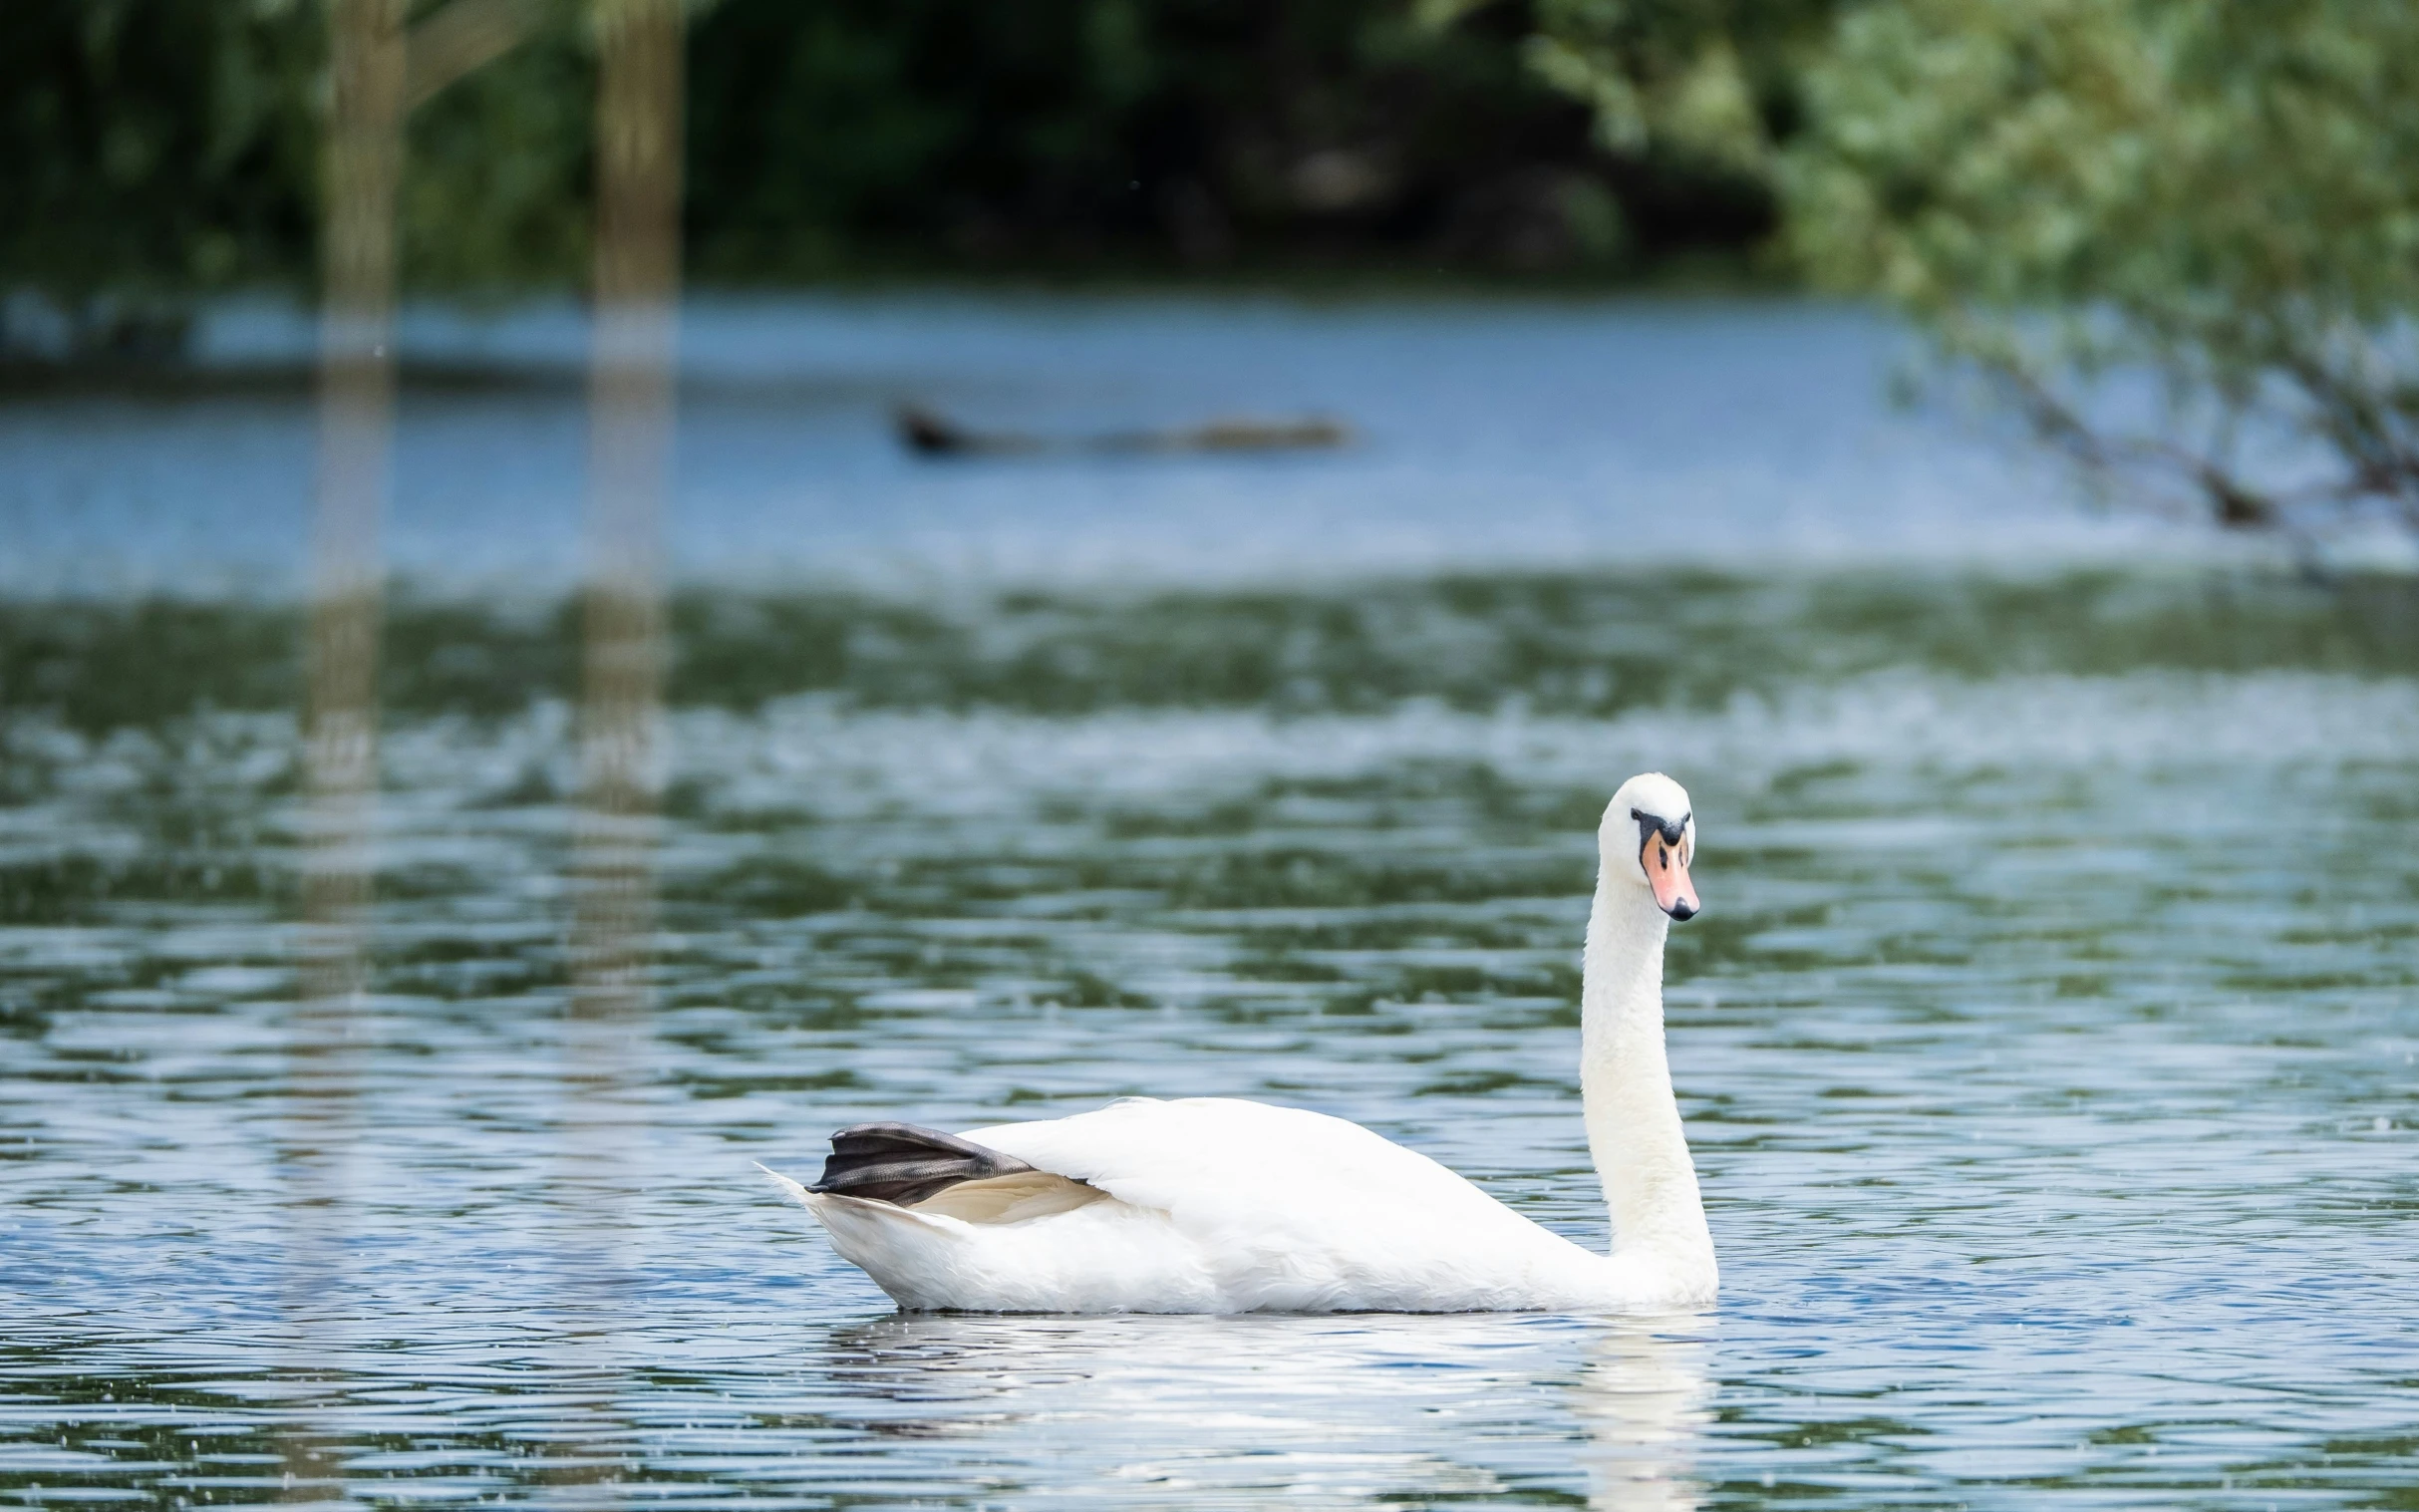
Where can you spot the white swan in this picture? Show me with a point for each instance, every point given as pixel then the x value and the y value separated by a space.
pixel 1217 1205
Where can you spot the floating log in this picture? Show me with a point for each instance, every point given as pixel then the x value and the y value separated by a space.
pixel 927 432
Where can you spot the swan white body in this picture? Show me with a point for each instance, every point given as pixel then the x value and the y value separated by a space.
pixel 1219 1205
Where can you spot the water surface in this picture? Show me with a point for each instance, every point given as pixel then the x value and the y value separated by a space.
pixel 1515 433
pixel 2047 1048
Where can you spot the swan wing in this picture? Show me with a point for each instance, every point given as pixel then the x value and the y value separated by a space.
pixel 1292 1210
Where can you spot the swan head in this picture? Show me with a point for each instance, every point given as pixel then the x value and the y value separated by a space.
pixel 1648 837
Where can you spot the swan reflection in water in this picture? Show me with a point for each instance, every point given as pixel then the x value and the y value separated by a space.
pixel 1338 1407
pixel 1645 1398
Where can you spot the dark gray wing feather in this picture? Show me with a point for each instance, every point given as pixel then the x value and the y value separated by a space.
pixel 904 1163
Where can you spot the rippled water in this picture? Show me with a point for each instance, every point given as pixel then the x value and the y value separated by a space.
pixel 2047 1048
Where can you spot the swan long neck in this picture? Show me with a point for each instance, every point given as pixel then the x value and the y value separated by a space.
pixel 1633 1129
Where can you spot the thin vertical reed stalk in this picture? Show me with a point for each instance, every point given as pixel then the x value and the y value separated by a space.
pixel 630 441
pixel 339 737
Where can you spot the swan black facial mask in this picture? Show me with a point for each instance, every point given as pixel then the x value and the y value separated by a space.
pixel 1663 852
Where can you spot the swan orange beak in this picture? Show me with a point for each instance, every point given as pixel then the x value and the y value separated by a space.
pixel 1668 873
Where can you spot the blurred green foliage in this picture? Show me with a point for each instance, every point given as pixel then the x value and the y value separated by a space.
pixel 152 146
pixel 154 149
pixel 2218 192
pixel 1717 83
pixel 2182 235
pixel 494 194
pixel 1082 133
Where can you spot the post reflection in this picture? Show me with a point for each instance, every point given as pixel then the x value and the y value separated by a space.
pixel 340 727
pixel 1346 1406
pixel 339 753
pixel 630 429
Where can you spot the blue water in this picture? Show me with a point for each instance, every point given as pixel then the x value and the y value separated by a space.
pixel 2050 1048
pixel 1512 433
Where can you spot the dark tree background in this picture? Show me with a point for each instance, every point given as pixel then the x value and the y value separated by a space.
pixel 154 149
pixel 149 147
pixel 1202 134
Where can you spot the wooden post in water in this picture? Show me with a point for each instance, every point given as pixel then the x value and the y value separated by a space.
pixel 638 192
pixel 340 736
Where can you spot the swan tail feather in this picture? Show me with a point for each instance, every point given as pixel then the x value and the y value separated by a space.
pixel 905 1163
pixel 835 1210
pixel 795 1191
pixel 914 1256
